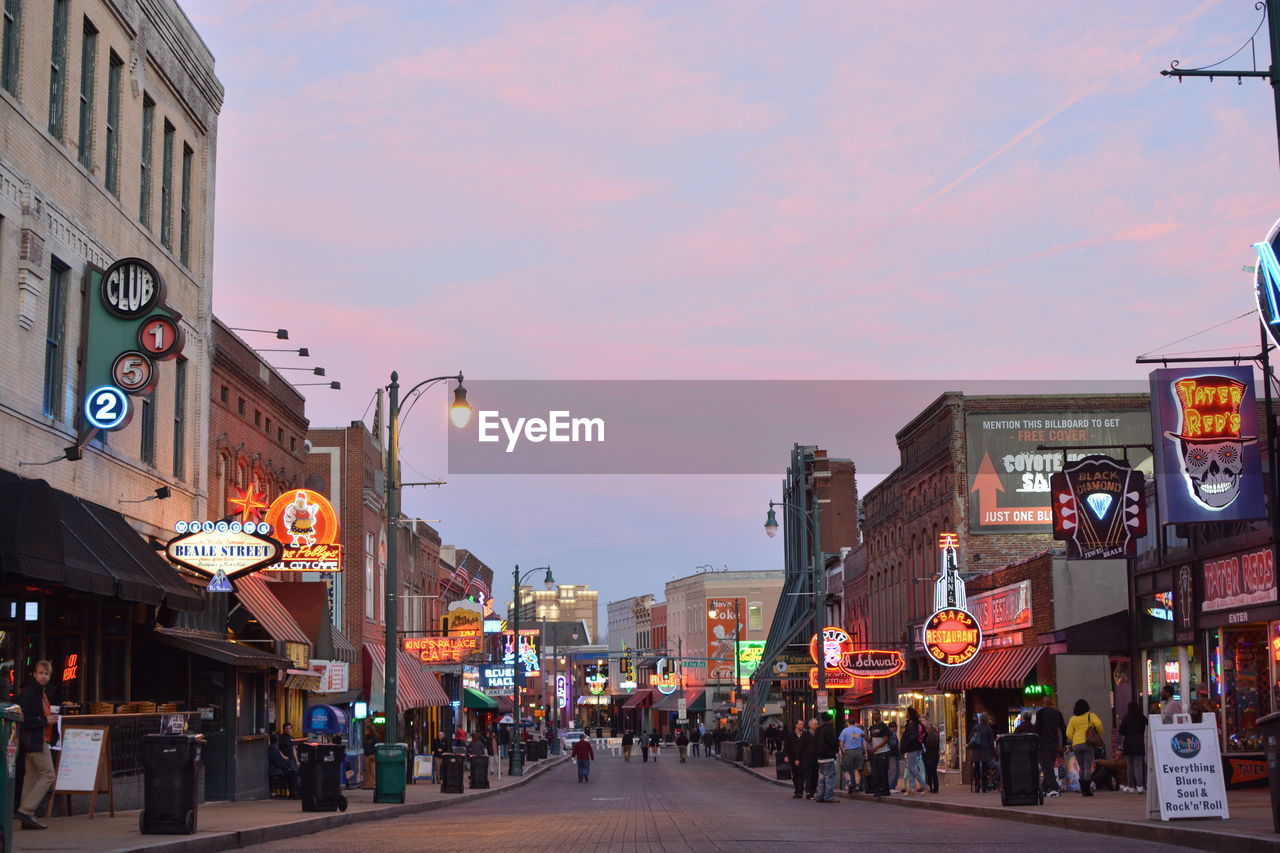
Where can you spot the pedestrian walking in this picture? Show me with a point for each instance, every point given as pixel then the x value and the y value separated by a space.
pixel 1168 704
pixel 628 741
pixel 644 747
pixel 1133 733
pixel 982 746
pixel 878 744
pixel 809 759
pixel 852 755
pixel 895 755
pixel 504 740
pixel 584 755
pixel 912 746
pixel 682 744
pixel 370 746
pixel 791 755
pixel 932 752
pixel 826 747
pixel 655 741
pixel 695 737
pixel 1052 729
pixel 37 733
pixel 1084 731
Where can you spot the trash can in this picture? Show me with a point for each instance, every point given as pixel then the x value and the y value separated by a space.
pixel 1020 770
pixel 782 767
pixel 452 771
pixel 479 771
pixel 599 732
pixel 1269 726
pixel 10 716
pixel 320 768
pixel 391 763
pixel 173 772
pixel 537 750
pixel 755 754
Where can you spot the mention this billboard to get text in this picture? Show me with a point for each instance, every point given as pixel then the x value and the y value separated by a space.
pixel 1008 472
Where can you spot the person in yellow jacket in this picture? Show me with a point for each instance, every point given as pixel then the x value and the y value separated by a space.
pixel 1084 733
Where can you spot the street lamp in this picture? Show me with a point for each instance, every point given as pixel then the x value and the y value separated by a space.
pixel 818 570
pixel 516 767
pixel 737 658
pixel 390 683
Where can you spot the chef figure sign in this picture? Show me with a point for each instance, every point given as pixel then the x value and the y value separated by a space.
pixel 300 519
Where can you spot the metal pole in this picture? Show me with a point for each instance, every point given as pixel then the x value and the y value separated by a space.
pixel 516 767
pixel 737 659
pixel 1273 29
pixel 390 686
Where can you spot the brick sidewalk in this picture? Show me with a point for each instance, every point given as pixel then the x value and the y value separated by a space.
pixel 1110 813
pixel 226 826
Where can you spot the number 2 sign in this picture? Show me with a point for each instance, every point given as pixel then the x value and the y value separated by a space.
pixel 107 408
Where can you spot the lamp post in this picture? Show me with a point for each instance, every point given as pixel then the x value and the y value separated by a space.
pixel 459 414
pixel 818 570
pixel 516 767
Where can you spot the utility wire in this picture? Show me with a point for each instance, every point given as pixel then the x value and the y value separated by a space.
pixel 1195 334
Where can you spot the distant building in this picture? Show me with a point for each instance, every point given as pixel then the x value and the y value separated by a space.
pixel 565 603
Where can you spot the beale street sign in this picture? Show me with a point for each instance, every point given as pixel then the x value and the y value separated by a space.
pixel 222 551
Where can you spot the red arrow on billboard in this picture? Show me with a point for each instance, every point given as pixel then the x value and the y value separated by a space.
pixel 987 484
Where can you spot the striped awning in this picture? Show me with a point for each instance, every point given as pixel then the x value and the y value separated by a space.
pixel 415 688
pixel 255 594
pixel 993 668
pixel 643 698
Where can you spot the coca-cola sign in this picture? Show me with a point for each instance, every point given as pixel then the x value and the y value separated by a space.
pixel 1238 580
pixel 874 664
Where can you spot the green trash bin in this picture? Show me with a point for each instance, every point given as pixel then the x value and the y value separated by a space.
pixel 391 761
pixel 10 716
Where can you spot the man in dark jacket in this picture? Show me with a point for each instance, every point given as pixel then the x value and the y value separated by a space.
pixel 695 738
pixel 809 759
pixel 1052 730
pixel 628 741
pixel 791 755
pixel 826 747
pixel 36 733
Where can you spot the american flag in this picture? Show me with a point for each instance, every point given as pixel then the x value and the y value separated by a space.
pixel 461 576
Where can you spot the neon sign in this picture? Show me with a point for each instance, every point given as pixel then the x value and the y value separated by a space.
pixel 750 653
pixel 305 520
pixel 440 649
pixel 70 669
pixel 952 636
pixel 222 550
pixel 665 681
pixel 874 663
pixel 562 690
pixel 250 502
pixel 828 650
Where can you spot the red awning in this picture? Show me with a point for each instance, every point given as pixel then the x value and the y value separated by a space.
pixel 642 699
pixel 255 595
pixel 417 688
pixel 856 698
pixel 994 668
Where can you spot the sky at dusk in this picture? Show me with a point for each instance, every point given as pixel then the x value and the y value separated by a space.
pixel 731 190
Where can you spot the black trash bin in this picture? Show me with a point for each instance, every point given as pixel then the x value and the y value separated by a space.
pixel 173 775
pixel 781 766
pixel 452 771
pixel 1020 770
pixel 1269 726
pixel 321 773
pixel 479 771
pixel 755 754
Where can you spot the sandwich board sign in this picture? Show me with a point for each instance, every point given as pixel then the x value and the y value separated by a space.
pixel 1185 773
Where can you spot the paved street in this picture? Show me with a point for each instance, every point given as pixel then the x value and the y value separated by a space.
pixel 699 806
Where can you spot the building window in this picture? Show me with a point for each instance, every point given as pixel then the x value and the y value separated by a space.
pixel 115 71
pixel 166 187
pixel 88 56
pixel 240 407
pixel 148 406
pixel 55 351
pixel 279 435
pixel 144 193
pixel 223 394
pixel 180 420
pixel 267 427
pixel 12 28
pixel 370 582
pixel 184 209
pixel 755 618
pixel 257 418
pixel 58 67
pixel 293 444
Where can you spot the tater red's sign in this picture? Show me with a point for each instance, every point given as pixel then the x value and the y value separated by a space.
pixel 1238 580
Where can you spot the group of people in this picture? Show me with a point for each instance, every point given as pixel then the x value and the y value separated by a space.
pixel 873 760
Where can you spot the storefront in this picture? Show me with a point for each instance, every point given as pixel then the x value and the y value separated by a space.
pixel 419 697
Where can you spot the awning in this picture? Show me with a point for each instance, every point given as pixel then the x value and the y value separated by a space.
pixel 1102 636
pixel 856 698
pixel 50 536
pixel 415 688
pixel 222 651
pixel 346 697
pixel 993 668
pixel 255 594
pixel 588 699
pixel 301 679
pixel 308 604
pixel 506 705
pixel 474 700
pixel 641 699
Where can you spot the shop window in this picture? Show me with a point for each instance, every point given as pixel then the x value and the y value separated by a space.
pixel 1155 618
pixel 1244 670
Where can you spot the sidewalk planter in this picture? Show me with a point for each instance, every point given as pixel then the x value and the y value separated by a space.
pixel 392 766
pixel 320 769
pixel 172 767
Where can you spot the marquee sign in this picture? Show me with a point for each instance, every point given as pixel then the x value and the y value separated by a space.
pixel 665 681
pixel 952 636
pixel 874 663
pixel 498 680
pixel 1238 580
pixel 1099 508
pixel 305 521
pixel 439 649
pixel 222 551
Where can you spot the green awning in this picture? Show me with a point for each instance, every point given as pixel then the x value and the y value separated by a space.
pixel 474 700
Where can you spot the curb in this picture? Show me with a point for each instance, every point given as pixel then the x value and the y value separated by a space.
pixel 263 834
pixel 1177 835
